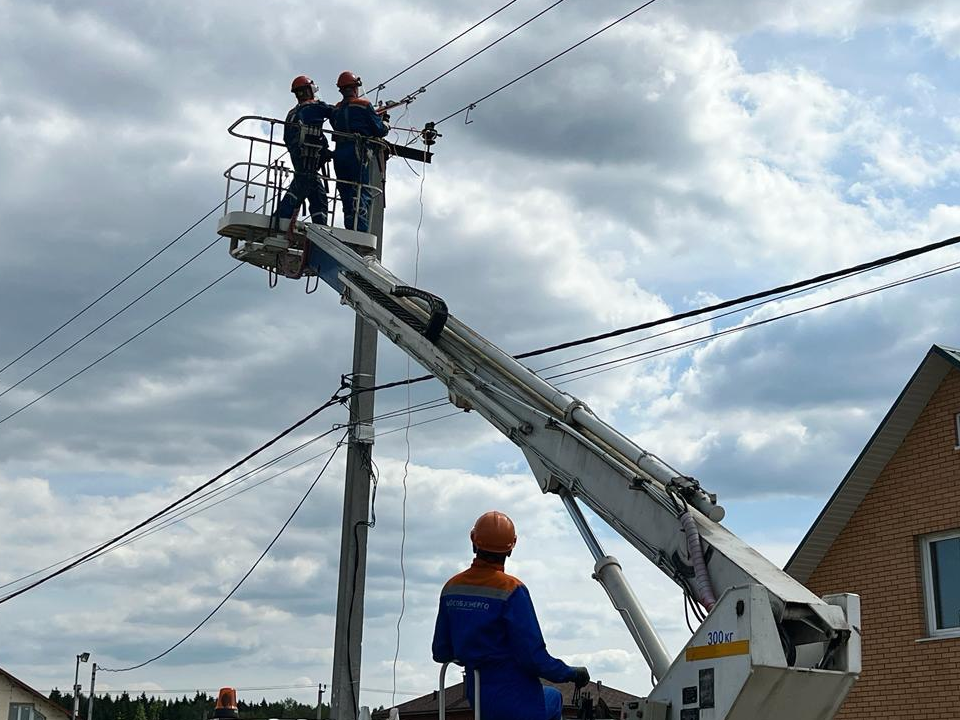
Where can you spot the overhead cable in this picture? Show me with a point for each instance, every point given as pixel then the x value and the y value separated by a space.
pixel 423 88
pixel 245 576
pixel 309 416
pixel 130 339
pixel 870 265
pixel 449 42
pixel 517 79
pixel 630 359
pixel 440 402
pixel 119 312
pixel 199 504
pixel 852 270
pixel 124 279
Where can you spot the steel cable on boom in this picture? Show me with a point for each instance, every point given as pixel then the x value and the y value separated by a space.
pixel 517 79
pixel 245 576
pixel 445 45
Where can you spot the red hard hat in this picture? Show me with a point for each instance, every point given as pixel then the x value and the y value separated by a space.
pixel 348 79
pixel 300 81
pixel 494 532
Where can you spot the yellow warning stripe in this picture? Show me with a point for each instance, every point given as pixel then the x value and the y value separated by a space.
pixel 710 652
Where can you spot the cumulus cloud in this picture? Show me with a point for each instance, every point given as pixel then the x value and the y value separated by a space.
pixel 649 172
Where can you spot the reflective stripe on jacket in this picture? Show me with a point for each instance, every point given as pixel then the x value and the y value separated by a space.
pixel 487 621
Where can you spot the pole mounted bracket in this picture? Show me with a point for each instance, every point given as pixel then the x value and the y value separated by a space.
pixel 362 433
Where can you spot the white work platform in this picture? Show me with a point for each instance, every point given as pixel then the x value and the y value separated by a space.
pixel 258 239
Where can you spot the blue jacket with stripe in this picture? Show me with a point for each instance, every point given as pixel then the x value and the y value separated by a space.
pixel 487 621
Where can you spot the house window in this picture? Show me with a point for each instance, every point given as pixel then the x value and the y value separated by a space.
pixel 24 711
pixel 941 581
pixel 20 711
pixel 956 429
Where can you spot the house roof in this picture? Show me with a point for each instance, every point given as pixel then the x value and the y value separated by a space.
pixel 867 468
pixel 36 693
pixel 456 699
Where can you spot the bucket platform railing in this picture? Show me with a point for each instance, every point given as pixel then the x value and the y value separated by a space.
pixel 442 697
pixel 256 185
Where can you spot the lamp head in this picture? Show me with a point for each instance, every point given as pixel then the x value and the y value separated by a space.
pixel 84 657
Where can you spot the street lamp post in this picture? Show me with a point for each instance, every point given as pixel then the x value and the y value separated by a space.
pixel 82 657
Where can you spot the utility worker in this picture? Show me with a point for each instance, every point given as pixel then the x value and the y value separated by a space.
pixel 309 150
pixel 352 157
pixel 487 622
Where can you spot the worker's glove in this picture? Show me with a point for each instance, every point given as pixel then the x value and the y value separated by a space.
pixel 387 126
pixel 385 116
pixel 581 676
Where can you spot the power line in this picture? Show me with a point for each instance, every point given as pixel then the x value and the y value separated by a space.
pixel 183 513
pixel 332 401
pixel 449 42
pixel 245 576
pixel 855 269
pixel 517 79
pixel 197 503
pixel 119 312
pixel 122 280
pixel 423 88
pixel 118 347
pixel 818 279
pixel 630 359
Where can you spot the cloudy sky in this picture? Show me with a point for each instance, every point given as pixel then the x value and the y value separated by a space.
pixel 698 151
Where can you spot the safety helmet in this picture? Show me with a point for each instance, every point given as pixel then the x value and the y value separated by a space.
pixel 494 532
pixel 302 81
pixel 348 79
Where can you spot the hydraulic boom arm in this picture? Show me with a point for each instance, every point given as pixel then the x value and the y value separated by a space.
pixel 768 645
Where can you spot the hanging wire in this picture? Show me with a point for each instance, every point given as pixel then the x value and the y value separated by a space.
pixel 245 576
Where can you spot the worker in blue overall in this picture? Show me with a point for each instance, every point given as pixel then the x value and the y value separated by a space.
pixel 352 156
pixel 487 622
pixel 308 149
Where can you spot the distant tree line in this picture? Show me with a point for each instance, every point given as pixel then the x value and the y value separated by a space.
pixel 199 707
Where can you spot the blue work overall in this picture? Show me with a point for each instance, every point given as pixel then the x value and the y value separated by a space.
pixel 487 621
pixel 352 157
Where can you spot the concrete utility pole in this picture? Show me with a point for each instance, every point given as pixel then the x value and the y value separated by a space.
pixel 93 683
pixel 345 687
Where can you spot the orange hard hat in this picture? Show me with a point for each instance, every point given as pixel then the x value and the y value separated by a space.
pixel 348 79
pixel 226 704
pixel 494 532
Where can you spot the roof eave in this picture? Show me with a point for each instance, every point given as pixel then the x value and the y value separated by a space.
pixel 875 455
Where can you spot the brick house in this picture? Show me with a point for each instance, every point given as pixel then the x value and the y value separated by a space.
pixel 19 701
pixel 607 703
pixel 891 533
